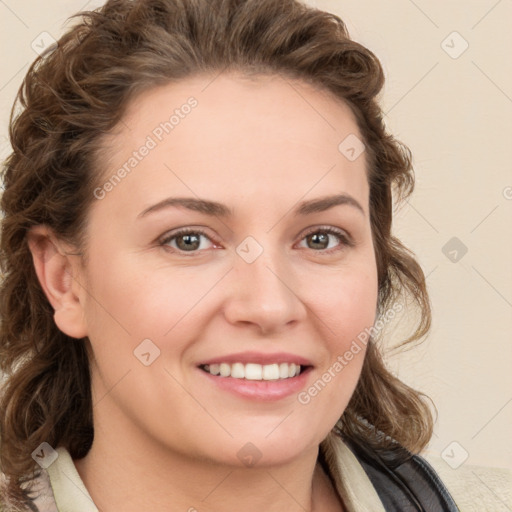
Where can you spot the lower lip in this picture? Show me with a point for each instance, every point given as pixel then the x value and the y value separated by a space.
pixel 262 390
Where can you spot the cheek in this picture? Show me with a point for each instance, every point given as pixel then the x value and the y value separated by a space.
pixel 129 301
pixel 346 303
pixel 126 297
pixel 345 312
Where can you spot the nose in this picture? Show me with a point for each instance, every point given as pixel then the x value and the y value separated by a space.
pixel 264 293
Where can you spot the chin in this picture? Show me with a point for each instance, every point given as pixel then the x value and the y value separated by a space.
pixel 266 451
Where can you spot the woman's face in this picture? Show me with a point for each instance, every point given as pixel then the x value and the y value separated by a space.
pixel 263 279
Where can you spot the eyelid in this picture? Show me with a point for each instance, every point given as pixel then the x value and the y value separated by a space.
pixel 171 235
pixel 344 237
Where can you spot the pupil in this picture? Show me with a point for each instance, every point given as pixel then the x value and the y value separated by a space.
pixel 322 238
pixel 189 242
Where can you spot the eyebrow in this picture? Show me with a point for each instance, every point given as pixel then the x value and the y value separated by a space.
pixel 216 209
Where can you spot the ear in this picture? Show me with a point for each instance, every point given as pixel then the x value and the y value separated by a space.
pixel 57 274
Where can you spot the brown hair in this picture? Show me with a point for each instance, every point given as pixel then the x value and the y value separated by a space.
pixel 74 94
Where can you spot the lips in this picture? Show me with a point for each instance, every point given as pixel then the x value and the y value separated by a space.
pixel 258 358
pixel 258 376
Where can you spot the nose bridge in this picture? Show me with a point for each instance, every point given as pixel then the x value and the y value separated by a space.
pixel 265 292
pixel 262 266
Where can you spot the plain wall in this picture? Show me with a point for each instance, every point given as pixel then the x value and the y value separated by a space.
pixel 455 114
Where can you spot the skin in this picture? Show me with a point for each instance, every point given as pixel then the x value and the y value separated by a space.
pixel 163 433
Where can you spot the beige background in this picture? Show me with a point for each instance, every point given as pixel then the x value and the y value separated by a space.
pixel 456 116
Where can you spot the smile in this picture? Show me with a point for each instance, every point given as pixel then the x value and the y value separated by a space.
pixel 253 371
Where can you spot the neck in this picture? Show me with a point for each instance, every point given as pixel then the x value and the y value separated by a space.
pixel 136 471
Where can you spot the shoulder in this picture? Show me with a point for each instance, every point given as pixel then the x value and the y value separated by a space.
pixel 403 481
pixel 38 495
pixel 56 486
pixel 406 482
pixel 44 500
pixel 476 488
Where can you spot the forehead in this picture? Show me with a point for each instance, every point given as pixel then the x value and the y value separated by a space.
pixel 262 135
pixel 229 101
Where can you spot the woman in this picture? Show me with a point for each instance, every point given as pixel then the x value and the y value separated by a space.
pixel 198 262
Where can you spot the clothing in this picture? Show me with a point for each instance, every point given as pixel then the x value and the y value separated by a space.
pixel 356 472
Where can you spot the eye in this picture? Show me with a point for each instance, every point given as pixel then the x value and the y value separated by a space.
pixel 320 239
pixel 186 240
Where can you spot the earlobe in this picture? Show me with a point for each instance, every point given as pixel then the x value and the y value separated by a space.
pixel 54 269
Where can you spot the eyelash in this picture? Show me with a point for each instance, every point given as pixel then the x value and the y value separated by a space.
pixel 345 240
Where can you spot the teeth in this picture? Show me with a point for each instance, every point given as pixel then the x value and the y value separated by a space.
pixel 225 370
pixel 238 371
pixel 283 370
pixel 271 372
pixel 215 369
pixel 252 371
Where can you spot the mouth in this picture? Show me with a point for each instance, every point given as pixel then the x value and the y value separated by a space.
pixel 254 371
pixel 257 376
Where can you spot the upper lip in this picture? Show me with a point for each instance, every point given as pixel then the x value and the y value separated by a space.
pixel 258 358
